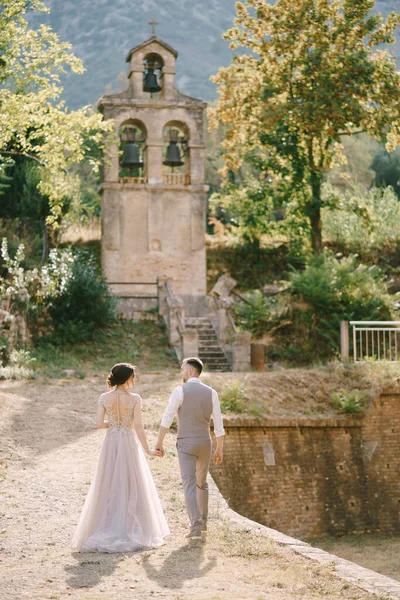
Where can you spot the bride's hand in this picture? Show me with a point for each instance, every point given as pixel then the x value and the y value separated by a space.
pixel 154 453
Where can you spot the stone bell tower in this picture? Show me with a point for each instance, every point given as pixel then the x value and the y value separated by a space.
pixel 154 196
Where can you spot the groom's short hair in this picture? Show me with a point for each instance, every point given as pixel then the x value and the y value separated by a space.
pixel 195 362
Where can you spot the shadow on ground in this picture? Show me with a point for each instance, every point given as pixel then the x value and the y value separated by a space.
pixel 90 569
pixel 181 565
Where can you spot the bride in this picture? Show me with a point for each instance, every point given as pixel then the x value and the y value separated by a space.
pixel 122 510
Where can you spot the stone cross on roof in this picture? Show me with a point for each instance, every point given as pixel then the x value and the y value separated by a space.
pixel 153 24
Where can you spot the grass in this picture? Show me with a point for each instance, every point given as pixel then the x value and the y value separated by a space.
pixel 320 391
pixel 143 343
pixel 233 396
pixel 305 392
pixel 377 552
pixel 239 542
pixel 234 399
pixel 16 372
pixel 351 402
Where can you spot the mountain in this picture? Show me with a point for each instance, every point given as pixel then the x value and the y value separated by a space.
pixel 103 31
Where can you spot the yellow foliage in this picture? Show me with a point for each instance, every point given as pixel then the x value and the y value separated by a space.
pixel 33 120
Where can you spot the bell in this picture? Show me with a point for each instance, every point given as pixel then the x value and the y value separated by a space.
pixel 173 158
pixel 150 83
pixel 130 157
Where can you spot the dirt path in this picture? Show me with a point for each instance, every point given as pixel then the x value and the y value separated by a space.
pixel 49 450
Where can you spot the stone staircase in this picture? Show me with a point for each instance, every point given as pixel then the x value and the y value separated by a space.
pixel 210 350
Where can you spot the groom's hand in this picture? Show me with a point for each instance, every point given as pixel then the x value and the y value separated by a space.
pixel 160 449
pixel 218 456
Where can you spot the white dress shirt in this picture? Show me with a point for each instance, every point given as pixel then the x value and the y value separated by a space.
pixel 176 400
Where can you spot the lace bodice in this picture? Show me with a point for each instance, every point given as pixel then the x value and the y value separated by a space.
pixel 119 408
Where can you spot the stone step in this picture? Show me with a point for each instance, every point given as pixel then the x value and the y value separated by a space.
pixel 197 320
pixel 206 334
pixel 210 351
pixel 213 358
pixel 205 348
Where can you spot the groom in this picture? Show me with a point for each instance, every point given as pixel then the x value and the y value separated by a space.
pixel 194 403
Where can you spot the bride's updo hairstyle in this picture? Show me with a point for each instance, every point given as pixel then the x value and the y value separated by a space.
pixel 120 373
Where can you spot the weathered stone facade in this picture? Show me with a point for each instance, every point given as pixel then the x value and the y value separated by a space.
pixel 310 478
pixel 154 225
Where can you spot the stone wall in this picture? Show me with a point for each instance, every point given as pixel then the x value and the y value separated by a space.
pixel 149 233
pixel 153 225
pixel 309 478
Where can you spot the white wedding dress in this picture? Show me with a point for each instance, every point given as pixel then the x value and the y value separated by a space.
pixel 122 510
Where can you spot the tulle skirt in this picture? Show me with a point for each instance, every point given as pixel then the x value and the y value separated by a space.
pixel 122 510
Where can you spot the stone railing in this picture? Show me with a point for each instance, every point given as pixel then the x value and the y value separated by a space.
pixel 132 180
pixel 176 178
pixel 137 300
pixel 171 308
pixel 236 344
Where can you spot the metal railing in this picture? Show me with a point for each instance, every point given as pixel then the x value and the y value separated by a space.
pixel 378 340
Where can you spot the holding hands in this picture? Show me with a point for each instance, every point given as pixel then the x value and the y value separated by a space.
pixel 156 452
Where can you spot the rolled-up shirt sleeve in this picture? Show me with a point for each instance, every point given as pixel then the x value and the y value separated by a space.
pixel 216 415
pixel 174 403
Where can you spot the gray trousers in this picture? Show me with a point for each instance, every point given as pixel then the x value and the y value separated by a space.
pixel 194 460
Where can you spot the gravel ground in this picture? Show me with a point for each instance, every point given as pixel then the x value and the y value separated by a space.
pixel 49 450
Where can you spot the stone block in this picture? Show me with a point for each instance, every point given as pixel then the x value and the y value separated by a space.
pixel 190 343
pixel 241 360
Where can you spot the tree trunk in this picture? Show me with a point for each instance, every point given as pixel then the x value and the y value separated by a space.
pixel 315 213
pixel 45 245
pixel 316 231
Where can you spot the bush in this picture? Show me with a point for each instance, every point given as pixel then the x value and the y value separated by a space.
pixel 15 372
pixel 83 306
pixel 330 291
pixel 305 321
pixel 351 402
pixel 233 397
pixel 254 315
pixel 21 358
pixel 253 267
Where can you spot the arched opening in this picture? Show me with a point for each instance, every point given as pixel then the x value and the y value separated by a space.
pixel 153 64
pixel 176 165
pixel 132 156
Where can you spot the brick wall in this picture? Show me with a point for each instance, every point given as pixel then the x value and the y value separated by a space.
pixel 309 478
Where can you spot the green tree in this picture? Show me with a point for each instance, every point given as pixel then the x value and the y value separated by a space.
pixel 34 122
pixel 315 73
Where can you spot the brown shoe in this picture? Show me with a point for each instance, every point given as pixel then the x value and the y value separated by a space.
pixel 204 525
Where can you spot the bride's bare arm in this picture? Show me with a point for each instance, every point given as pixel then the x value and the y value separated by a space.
pixel 100 423
pixel 138 425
